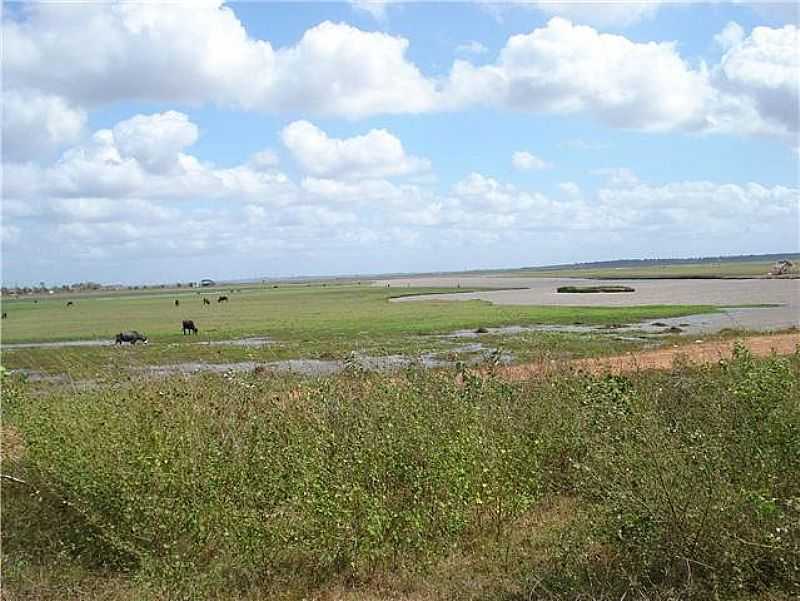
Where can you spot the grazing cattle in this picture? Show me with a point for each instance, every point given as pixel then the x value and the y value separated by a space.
pixel 69 303
pixel 188 326
pixel 222 299
pixel 206 301
pixel 177 302
pixel 133 337
pixel 5 314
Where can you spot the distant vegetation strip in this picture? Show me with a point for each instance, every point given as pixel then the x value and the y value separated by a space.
pixel 594 289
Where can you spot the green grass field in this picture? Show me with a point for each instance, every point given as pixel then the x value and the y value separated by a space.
pixel 292 313
pixel 314 322
pixel 732 269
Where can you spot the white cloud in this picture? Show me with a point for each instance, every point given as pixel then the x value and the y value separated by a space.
pixel 263 160
pixel 571 190
pixel 155 141
pixel 142 157
pixel 375 154
pixel 762 69
pixel 732 35
pixel 471 47
pixel 525 161
pixel 369 191
pixel 36 124
pixel 565 68
pixel 202 53
pixel 703 207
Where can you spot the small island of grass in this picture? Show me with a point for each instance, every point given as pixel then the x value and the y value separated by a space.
pixel 595 289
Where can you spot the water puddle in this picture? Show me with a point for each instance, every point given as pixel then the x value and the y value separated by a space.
pixel 62 344
pixel 477 354
pixel 255 341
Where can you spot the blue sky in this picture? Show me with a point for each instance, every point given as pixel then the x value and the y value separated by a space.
pixel 257 139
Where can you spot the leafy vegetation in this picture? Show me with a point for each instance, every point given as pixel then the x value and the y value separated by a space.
pixel 427 484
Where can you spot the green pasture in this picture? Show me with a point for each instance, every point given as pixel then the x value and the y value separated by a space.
pixel 310 322
pixel 298 313
pixel 733 269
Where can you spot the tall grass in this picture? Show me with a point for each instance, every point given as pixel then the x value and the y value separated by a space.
pixel 686 481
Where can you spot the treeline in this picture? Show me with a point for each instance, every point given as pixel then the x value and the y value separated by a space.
pixel 42 288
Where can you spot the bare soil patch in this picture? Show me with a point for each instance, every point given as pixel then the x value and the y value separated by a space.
pixel 697 354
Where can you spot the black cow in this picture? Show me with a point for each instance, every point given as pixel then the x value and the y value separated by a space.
pixel 133 337
pixel 177 302
pixel 206 301
pixel 5 314
pixel 222 299
pixel 188 325
pixel 69 303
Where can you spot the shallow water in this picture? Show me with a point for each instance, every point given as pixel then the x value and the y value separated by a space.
pixel 327 367
pixel 255 341
pixel 542 292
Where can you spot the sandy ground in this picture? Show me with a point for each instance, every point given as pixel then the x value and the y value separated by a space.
pixel 542 291
pixel 699 353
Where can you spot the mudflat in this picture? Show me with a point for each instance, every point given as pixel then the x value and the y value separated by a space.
pixel 542 291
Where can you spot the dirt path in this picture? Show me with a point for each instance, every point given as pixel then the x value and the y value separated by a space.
pixel 698 353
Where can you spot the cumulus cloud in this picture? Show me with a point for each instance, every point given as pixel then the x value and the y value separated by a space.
pixel 36 124
pixel 762 69
pixel 202 53
pixel 375 154
pixel 155 141
pixel 525 161
pixel 263 160
pixel 731 35
pixel 566 68
pixel 142 157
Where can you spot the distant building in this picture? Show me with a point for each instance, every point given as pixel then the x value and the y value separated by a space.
pixel 206 283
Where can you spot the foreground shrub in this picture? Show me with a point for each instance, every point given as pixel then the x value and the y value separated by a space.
pixel 686 481
pixel 694 477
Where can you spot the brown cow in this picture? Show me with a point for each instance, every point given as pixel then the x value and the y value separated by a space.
pixel 188 325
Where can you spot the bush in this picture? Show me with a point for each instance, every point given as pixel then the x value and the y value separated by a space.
pixel 686 481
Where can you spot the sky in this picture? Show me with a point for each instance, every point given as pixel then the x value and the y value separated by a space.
pixel 147 142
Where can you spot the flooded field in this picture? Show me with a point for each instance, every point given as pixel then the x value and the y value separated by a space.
pixel 542 291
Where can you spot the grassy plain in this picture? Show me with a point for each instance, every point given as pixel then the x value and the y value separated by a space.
pixel 419 485
pixel 725 269
pixel 303 321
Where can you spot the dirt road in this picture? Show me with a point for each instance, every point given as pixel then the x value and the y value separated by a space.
pixel 697 353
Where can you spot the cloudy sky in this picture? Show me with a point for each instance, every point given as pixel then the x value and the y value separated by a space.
pixel 147 142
